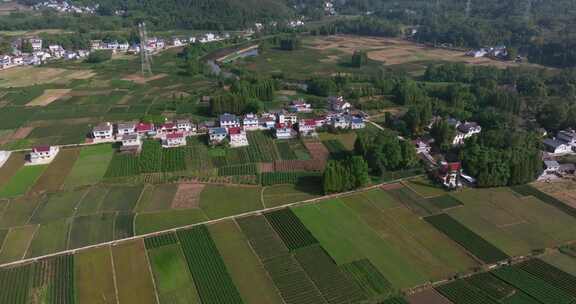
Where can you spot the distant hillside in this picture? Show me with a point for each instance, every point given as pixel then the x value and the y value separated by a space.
pixel 191 14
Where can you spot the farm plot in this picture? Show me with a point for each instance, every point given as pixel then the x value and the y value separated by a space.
pixel 174 283
pixel 49 238
pixel 290 229
pixel 562 261
pixel 124 225
pixel 121 198
pixel 187 196
pixel 11 167
pixel 238 170
pixel 54 176
pixel 294 285
pixel 16 243
pixel 48 97
pixel 336 148
pixel 123 165
pixel 427 249
pixel 498 289
pixel 445 201
pixel 222 201
pixel 413 201
pixel 91 229
pixel 538 289
pixel 373 284
pixel 475 244
pixel 19 211
pixel 244 266
pixel 163 220
pixel 213 281
pixel 17 281
pixel 91 202
pixel 262 148
pixel 425 187
pixel 339 142
pixel 528 190
pixel 278 178
pixel 21 181
pixel 550 274
pixel 94 276
pixel 430 296
pixel 156 197
pixel 133 278
pixel 278 195
pixel 58 205
pixel 333 284
pixel 90 166
pixel 392 263
pixel 54 280
pixel 464 293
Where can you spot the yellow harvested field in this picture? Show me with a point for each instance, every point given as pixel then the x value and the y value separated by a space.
pixel 138 78
pixel 27 76
pixel 48 97
pixel 564 190
pixel 393 51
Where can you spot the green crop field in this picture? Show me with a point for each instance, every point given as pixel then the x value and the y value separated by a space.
pixel 155 198
pixel 50 238
pixel 163 220
pixel 54 176
pixel 57 206
pixel 90 166
pixel 21 181
pixel 121 198
pixel 278 195
pixel 19 211
pixel 174 283
pixel 16 243
pixel 244 266
pixel 133 273
pixel 94 277
pixel 220 201
pixel 91 229
pixel 91 202
pixel 561 261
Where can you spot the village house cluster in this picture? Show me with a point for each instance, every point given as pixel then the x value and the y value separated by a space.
pixel 499 52
pixel 65 7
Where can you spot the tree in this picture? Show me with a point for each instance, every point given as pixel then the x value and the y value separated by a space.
pixel 322 86
pixel 409 156
pixel 443 134
pixel 99 56
pixel 359 171
pixel 290 43
pixel 359 58
pixel 27 47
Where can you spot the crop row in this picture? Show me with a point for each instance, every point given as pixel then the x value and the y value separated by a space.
pixel 15 284
pixel 372 282
pixel 262 148
pixel 290 229
pixel 492 286
pixel 160 240
pixel 212 280
pixel 262 237
pixel 475 244
pixel 527 190
pixel 550 274
pixel 333 284
pixel 278 178
pixel 463 293
pixel 238 170
pixel 538 289
pixel 173 159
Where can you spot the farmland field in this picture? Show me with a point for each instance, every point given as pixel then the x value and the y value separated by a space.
pixel 155 198
pixel 20 182
pixel 91 229
pixel 16 243
pixel 94 277
pixel 245 268
pixel 162 220
pixel 90 166
pixel 54 176
pixel 57 206
pixel 50 238
pixel 133 273
pixel 19 211
pixel 219 201
pixel 174 283
pixel 278 195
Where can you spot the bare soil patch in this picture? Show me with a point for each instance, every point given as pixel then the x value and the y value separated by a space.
pixel 138 78
pixel 48 97
pixel 287 92
pixel 21 133
pixel 429 296
pixel 564 190
pixel 317 150
pixel 187 196
pixel 266 167
pixel 392 186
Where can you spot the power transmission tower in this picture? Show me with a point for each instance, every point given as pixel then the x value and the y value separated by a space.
pixel 468 8
pixel 528 12
pixel 145 59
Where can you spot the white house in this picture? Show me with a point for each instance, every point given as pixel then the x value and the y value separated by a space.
pixel 307 127
pixel 357 123
pixel 217 135
pixel 5 61
pixel 465 131
pixel 18 60
pixel 229 121
pixel 237 137
pixel 144 128
pixel 567 136
pixel 176 41
pixel 267 122
pixel 283 131
pixel 556 147
pixel 174 140
pixel 103 131
pixel 340 122
pixel 299 106
pixel 338 104
pixel 250 122
pixel 36 44
pixel 131 143
pixel 43 155
pixel 125 128
pixel 185 126
pixel 289 118
pixel 477 53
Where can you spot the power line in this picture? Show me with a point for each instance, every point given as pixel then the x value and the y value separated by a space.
pixel 144 54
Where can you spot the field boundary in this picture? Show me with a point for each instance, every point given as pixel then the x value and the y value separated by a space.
pixel 232 217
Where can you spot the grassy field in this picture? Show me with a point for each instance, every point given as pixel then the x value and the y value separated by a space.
pixel 121 198
pixel 243 265
pixel 278 195
pixel 133 277
pixel 19 211
pixel 174 283
pixel 94 277
pixel 16 243
pixel 90 167
pixel 21 181
pixel 220 201
pixel 162 220
pixel 58 206
pixel 10 167
pixel 562 261
pixel 92 201
pixel 54 176
pixel 50 238
pixel 91 229
pixel 155 198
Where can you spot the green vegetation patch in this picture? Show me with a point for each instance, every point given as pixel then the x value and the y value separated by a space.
pixel 475 244
pixel 174 283
pixel 50 238
pixel 238 170
pixel 527 190
pixel 92 201
pixel 121 198
pixel 17 281
pixel 133 278
pixel 90 167
pixel 300 178
pixel 550 274
pixel 54 176
pixel 163 220
pixel 445 201
pixel 156 241
pixel 19 211
pixel 54 279
pixel 222 201
pixel 461 292
pixel 157 197
pixel 58 206
pixel 278 195
pixel 21 181
pixel 92 229
pixel 16 243
pixel 413 201
pixel 368 278
pixel 290 229
pixel 124 225
pixel 212 279
pixel 94 276
pixel 334 285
